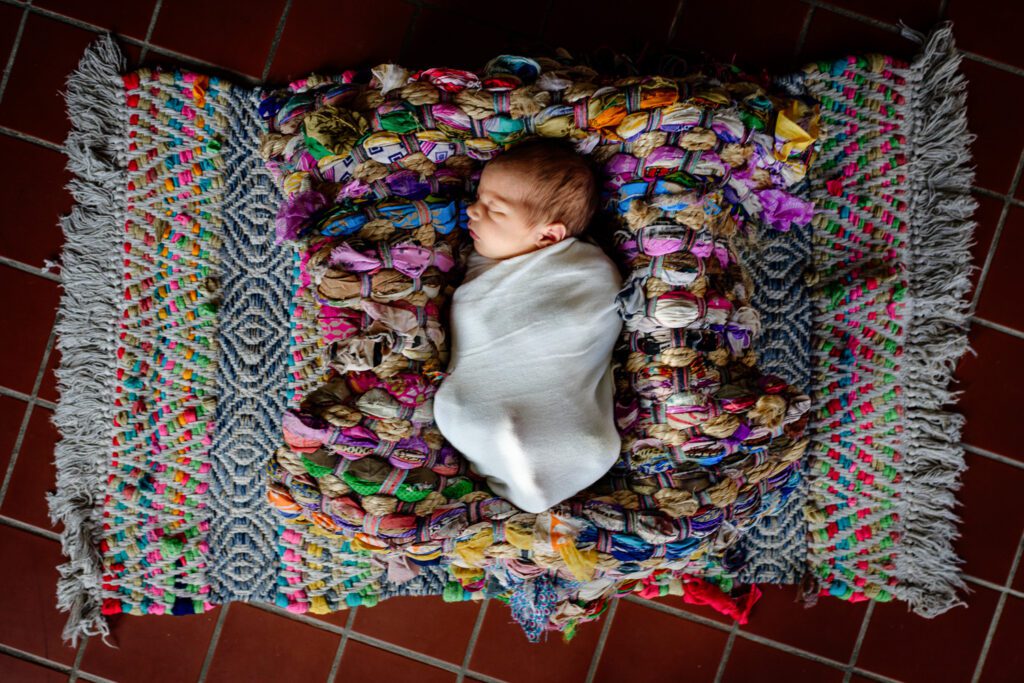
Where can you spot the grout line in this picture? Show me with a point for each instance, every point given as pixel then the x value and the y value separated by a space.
pixel 543 26
pixel 851 665
pixel 993 586
pixel 802 38
pixel 12 393
pixel 471 645
pixel 997 326
pixel 28 413
pixel 336 664
pixel 214 639
pixel 674 26
pixel 14 51
pixel 48 534
pixel 988 61
pixel 10 132
pixel 76 668
pixel 850 14
pixel 992 194
pixel 149 30
pixel 998 613
pixel 726 651
pixel 595 660
pixel 31 270
pixel 277 40
pixel 999 231
pixel 992 456
pixel 35 659
pixel 943 9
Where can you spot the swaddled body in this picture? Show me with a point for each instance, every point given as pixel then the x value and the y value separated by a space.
pixel 530 394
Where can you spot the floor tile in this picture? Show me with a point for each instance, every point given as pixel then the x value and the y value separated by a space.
pixel 645 644
pixel 255 643
pixel 993 387
pixel 361 662
pixel 153 648
pixel 613 28
pixel 987 217
pixel 829 628
pixel 750 661
pixel 478 41
pixel 991 29
pixel 125 18
pixel 997 148
pixel 33 198
pixel 833 36
pixel 708 27
pixel 34 474
pixel 29 618
pixel 12 411
pixel 1000 299
pixel 400 621
pixel 902 645
pixel 990 526
pixel 503 651
pixel 219 33
pixel 24 671
pixel 31 314
pixel 920 15
pixel 49 51
pixel 1005 659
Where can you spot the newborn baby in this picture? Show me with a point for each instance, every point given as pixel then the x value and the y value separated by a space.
pixel 529 395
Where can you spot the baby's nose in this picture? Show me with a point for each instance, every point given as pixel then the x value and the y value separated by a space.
pixel 471 210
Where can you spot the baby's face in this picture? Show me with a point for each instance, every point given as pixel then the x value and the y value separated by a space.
pixel 498 220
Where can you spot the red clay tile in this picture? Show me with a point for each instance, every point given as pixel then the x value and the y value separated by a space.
pixel 832 36
pixel 903 645
pixel 33 198
pixel 708 27
pixel 990 526
pixel 987 217
pixel 478 42
pixel 329 37
pixel 24 671
pixel 1005 659
pixel 28 318
pixel 1000 294
pixel 10 18
pixel 221 34
pixel 750 661
pixel 48 52
pixel 503 651
pixel 255 644
pixel 917 14
pixel 360 663
pixel 124 18
pixel 29 618
pixel 993 388
pixel 151 647
pixel 988 28
pixel 998 146
pixel 645 644
pixel 400 621
pixel 34 473
pixel 12 411
pixel 828 629
pixel 574 25
pixel 528 17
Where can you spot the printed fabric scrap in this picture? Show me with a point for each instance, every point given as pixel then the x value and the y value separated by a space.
pixel 375 169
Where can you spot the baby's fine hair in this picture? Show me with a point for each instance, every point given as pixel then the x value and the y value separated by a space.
pixel 565 184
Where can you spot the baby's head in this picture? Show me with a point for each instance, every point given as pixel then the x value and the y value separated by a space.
pixel 534 195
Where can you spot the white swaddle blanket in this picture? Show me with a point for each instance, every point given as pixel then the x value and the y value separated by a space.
pixel 530 396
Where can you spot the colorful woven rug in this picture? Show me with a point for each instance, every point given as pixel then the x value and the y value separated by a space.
pixel 185 333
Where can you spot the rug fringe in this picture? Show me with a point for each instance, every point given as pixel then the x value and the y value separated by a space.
pixel 939 268
pixel 87 328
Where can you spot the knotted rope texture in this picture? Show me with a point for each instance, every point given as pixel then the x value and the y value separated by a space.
pixel 376 168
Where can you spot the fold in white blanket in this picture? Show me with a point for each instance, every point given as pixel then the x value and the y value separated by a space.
pixel 529 400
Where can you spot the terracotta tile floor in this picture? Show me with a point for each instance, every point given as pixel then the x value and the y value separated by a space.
pixel 422 638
